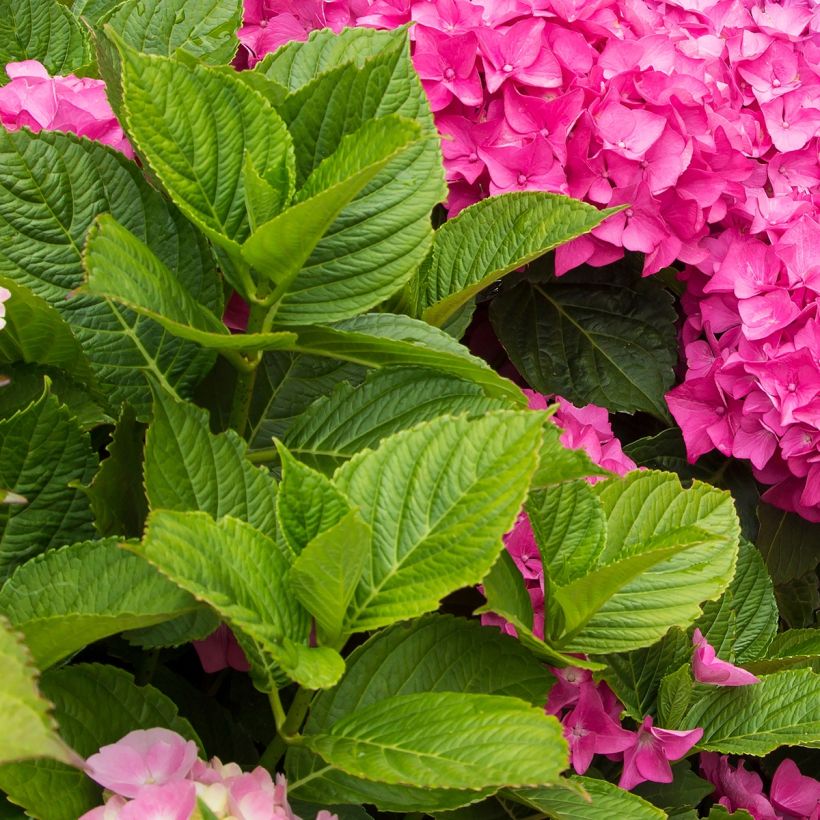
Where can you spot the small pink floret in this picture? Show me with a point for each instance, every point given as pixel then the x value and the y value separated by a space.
pixel 708 668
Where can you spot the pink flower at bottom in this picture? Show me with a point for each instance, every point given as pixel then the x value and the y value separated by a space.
pixel 794 794
pixel 708 668
pixel 143 757
pixel 736 788
pixel 75 104
pixel 173 801
pixel 648 758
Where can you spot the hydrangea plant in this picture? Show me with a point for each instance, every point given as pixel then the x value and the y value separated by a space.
pixel 286 530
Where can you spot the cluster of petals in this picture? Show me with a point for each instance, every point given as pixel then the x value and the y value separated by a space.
pixel 792 795
pixel 155 774
pixel 590 715
pixel 35 100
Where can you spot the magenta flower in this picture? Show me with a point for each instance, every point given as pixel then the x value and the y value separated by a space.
pixel 447 67
pixel 76 104
pixel 708 668
pixel 648 758
pixel 736 788
pixel 793 794
pixel 220 650
pixel 143 757
pixel 589 730
pixel 567 688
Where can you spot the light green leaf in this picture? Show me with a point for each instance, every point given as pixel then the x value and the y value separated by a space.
pixel 263 201
pixel 570 529
pixel 189 468
pixel 718 812
pixel 344 273
pixel 425 544
pixel 93 11
pixel 742 623
pixel 636 676
pixel 593 337
pixel 790 545
pixel 195 626
pixel 68 598
pixel 489 240
pixel 385 340
pixel 595 800
pixel 297 63
pixel 35 333
pixel 350 419
pixel 195 125
pixel 783 709
pixel 325 575
pixel 95 705
pixel 42 452
pixel 117 493
pixel 122 268
pixel 205 29
pixel 674 697
pixel 649 512
pixel 242 574
pixel 46 31
pixel 52 186
pixel 308 503
pixel 795 647
pixel 434 653
pixel 29 731
pixel 440 740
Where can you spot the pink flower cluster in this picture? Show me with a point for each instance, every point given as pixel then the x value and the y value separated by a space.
pixel 792 796
pixel 590 715
pixel 154 774
pixel 77 104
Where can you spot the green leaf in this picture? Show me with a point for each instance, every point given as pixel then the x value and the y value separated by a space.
pixel 384 340
pixel 636 676
pixel 29 731
pixel 124 269
pixel 242 574
pixel 783 709
pixel 205 29
pixel 570 529
pixel 489 240
pixel 790 545
pixel 742 623
pixel 42 452
pixel 353 418
pixel 93 11
pixel 46 31
pixel 440 740
pixel 195 125
pixel 325 575
pixel 799 600
pixel 189 468
pixel 427 545
pixel 286 385
pixel 650 512
pixel 436 653
pixel 308 503
pixel 68 598
pixel 596 800
pixel 793 648
pixel 117 494
pixel 52 186
pixel 317 253
pixel 35 333
pixel 592 337
pixel 686 788
pixel 297 63
pixel 192 627
pixel 504 588
pixel 718 812
pixel 674 697
pixel 95 705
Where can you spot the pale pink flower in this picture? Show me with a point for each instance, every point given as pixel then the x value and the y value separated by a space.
pixel 143 757
pixel 5 295
pixel 171 801
pixel 708 668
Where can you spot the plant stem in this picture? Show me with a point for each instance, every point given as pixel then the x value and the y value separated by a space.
pixel 296 713
pixel 245 381
pixel 287 726
pixel 264 456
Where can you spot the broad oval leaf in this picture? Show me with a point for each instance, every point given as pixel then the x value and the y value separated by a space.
pixel 43 30
pixel 491 238
pixel 595 338
pixel 354 418
pixel 29 730
pixel 794 647
pixel 790 545
pixel 95 705
pixel 52 186
pixel 783 709
pixel 205 29
pixel 427 545
pixel 447 740
pixel 67 598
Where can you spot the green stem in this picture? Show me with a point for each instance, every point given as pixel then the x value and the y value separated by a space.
pixel 287 726
pixel 297 712
pixel 264 456
pixel 245 381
